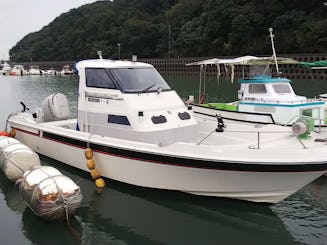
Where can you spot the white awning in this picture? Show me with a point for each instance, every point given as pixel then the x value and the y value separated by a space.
pixel 245 60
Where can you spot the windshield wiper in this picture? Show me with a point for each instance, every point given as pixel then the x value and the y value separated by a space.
pixel 147 88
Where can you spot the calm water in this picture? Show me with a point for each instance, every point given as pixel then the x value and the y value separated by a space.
pixel 124 214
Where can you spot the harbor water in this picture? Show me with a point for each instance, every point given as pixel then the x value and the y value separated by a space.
pixel 125 214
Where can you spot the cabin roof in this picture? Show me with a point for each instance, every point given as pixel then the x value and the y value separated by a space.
pixel 104 63
pixel 264 79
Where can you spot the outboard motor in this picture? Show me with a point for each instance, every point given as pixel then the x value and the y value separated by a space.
pixel 55 107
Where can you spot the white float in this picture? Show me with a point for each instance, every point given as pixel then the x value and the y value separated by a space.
pixel 16 158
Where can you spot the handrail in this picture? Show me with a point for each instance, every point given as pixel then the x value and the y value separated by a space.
pixel 258 133
pixel 290 102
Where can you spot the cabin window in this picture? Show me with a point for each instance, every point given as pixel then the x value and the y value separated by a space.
pixel 118 119
pixel 307 112
pixel 139 80
pixel 159 119
pixel 282 88
pixel 99 78
pixel 257 89
pixel 184 115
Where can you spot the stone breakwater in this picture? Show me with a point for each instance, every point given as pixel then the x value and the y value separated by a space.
pixel 176 66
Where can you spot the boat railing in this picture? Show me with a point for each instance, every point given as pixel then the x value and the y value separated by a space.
pixel 258 135
pixel 292 102
pixel 315 100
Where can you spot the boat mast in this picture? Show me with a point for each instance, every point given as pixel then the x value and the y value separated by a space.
pixel 273 48
pixel 200 84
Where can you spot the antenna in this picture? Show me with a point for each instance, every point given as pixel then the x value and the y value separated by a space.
pixel 273 48
pixel 100 54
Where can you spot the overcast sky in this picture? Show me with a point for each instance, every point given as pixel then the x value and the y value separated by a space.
pixel 20 17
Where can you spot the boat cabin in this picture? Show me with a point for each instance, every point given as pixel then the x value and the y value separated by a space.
pixel 265 94
pixel 130 100
pixel 266 89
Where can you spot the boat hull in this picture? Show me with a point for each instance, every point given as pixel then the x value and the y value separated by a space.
pixel 195 176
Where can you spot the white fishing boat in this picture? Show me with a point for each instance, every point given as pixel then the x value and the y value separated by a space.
pixel 5 69
pixel 35 70
pixel 261 97
pixel 18 70
pixel 143 134
pixel 50 72
pixel 66 71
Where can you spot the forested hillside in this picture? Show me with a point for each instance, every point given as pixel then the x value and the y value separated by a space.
pixel 178 28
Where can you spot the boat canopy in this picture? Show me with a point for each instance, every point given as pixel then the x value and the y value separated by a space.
pixel 245 60
pixel 322 64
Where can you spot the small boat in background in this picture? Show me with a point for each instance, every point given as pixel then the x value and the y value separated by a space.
pixel 35 70
pixel 18 70
pixel 66 71
pixel 50 72
pixel 261 97
pixel 5 69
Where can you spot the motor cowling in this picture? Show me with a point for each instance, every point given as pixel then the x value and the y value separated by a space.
pixel 55 107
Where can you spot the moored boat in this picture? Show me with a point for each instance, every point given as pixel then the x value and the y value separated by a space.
pixel 261 97
pixel 35 70
pixel 5 69
pixel 142 133
pixel 18 70
pixel 264 99
pixel 66 71
pixel 50 72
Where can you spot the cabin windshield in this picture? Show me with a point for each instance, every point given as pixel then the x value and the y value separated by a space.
pixel 282 88
pixel 139 80
pixel 128 80
pixel 257 89
pixel 259 70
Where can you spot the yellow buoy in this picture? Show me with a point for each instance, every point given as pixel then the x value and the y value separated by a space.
pixel 100 183
pixel 12 133
pixel 90 164
pixel 95 173
pixel 88 153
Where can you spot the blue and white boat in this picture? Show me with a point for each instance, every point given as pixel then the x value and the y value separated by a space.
pixel 261 97
pixel 267 99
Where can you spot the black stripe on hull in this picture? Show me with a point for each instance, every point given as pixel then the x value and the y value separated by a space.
pixel 189 162
pixel 242 112
pixel 236 112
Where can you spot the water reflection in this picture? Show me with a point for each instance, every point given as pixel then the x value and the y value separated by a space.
pixel 12 196
pixel 125 214
pixel 305 213
pixel 42 232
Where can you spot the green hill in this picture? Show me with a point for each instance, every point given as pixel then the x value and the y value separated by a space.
pixel 172 28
